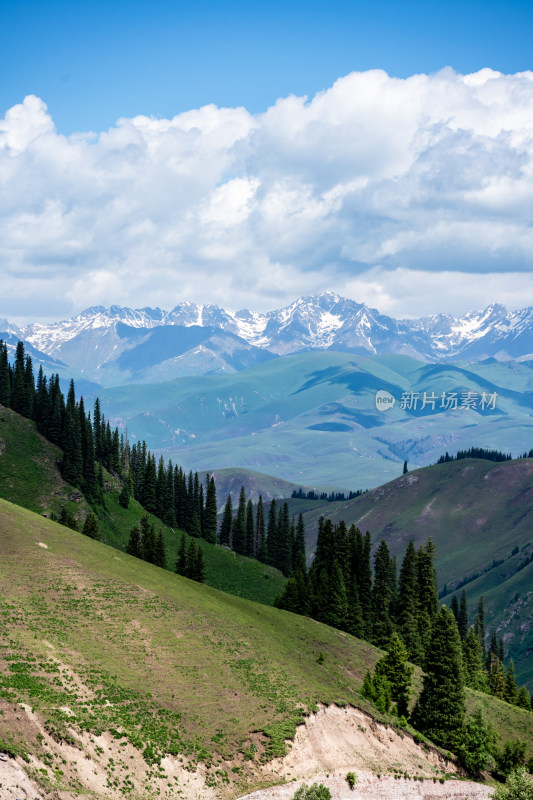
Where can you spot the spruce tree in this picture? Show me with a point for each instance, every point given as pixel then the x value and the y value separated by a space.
pixel 260 534
pixel 407 605
pixel 398 672
pixel 210 519
pixel 440 709
pixel 381 597
pixel 523 699
pixel 5 384
pixel 250 529
pixel 90 527
pixel 124 496
pixel 454 606
pixel 284 543
pixel 191 560
pixel 272 533
pixel 475 674
pixel 336 611
pixel 462 620
pixel 134 543
pixel 479 624
pixel 160 555
pixel 199 565
pixel 148 540
pixel 227 523
pixel 239 525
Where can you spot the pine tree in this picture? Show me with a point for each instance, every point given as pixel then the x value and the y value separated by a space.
pixel 160 554
pixel 90 527
pixel 381 597
pixel 239 525
pixel 284 545
pixel 475 674
pixel 5 384
pixel 497 678
pixel 227 523
pixel 191 559
pixel 479 624
pixel 250 529
pixel 260 535
pixel 199 565
pixel 440 709
pixel 407 605
pixel 210 520
pixel 272 533
pixel 336 611
pixel 398 672
pixel 124 496
pixel 181 563
pixel 462 620
pixel 454 606
pixel 148 540
pixel 134 543
pixel 523 700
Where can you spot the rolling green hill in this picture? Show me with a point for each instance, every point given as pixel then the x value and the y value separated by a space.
pixel 29 476
pixel 312 419
pixel 123 663
pixel 479 513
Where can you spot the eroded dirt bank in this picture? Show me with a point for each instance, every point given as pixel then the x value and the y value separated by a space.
pixel 332 743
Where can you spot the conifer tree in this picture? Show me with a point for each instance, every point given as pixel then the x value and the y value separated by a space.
pixel 227 523
pixel 394 667
pixel 134 543
pixel 160 554
pixel 462 620
pixel 440 709
pixel 284 545
pixel 199 565
pixel 148 540
pixel 260 535
pixel 336 611
pixel 497 678
pixel 149 494
pixel 381 597
pixel 169 500
pixel 5 384
pixel 298 549
pixel 210 519
pixel 124 496
pixel 191 560
pixel 407 606
pixel 239 525
pixel 250 529
pixel 523 699
pixel 454 606
pixel 475 674
pixel 479 624
pixel 272 533
pixel 90 527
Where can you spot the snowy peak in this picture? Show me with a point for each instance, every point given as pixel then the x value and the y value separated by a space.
pixel 312 322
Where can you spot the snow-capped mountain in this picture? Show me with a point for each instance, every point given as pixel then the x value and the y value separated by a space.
pixel 115 344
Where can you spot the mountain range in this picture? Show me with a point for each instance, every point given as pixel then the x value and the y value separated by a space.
pixel 114 346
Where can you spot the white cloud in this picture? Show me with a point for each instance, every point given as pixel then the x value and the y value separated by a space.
pixel 403 190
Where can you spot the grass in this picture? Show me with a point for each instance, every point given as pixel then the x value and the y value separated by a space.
pixel 29 476
pixel 95 640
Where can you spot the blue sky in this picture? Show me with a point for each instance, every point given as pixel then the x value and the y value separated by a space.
pixel 246 154
pixel 93 62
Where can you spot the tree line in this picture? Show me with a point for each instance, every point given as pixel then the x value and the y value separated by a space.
pixel 332 497
pixel 277 539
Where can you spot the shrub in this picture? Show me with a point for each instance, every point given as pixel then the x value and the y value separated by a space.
pixel 511 757
pixel 518 786
pixel 351 779
pixel 317 791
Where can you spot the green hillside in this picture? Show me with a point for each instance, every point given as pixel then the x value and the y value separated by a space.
pixel 111 655
pixel 479 513
pixel 29 476
pixel 312 419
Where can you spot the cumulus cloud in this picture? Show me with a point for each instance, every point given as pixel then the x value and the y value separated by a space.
pixel 402 190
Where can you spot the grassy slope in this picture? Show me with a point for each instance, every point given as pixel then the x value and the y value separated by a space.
pixel 475 511
pixel 29 477
pixel 186 668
